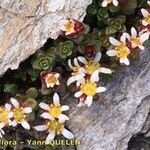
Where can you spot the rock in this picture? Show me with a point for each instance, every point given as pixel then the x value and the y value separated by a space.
pixel 26 25
pixel 120 112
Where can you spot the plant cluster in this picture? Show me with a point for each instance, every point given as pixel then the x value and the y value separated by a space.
pixel 111 36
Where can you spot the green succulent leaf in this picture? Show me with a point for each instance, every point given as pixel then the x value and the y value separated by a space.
pixel 32 93
pixel 44 61
pixel 123 28
pixel 65 49
pixel 92 9
pixel 10 88
pixel 45 91
pixel 102 14
pixel 110 30
pixel 34 74
pixel 114 8
pixel 31 103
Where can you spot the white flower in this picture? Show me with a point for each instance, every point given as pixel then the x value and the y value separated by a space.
pixel 146 14
pixel 20 114
pixel 54 110
pixel 54 127
pixel 88 90
pixel 67 26
pixel 106 2
pixel 52 79
pixel 137 40
pixel 121 50
pixel 77 74
pixel 5 115
pixel 92 66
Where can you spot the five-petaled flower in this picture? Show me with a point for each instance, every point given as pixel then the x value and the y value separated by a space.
pixel 50 79
pixel 54 111
pixel 54 127
pixel 78 73
pixel 5 117
pixel 93 66
pixel 107 2
pixel 20 114
pixel 88 89
pixel 137 40
pixel 121 50
pixel 72 27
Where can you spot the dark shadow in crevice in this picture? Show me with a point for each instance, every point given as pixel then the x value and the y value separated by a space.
pixel 139 142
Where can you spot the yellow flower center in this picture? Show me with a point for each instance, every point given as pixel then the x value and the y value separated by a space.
pixel 136 41
pixel 122 50
pixel 88 88
pixel 147 19
pixel 69 26
pixel 109 1
pixel 4 115
pixel 51 79
pixel 91 66
pixel 19 114
pixel 55 111
pixel 55 126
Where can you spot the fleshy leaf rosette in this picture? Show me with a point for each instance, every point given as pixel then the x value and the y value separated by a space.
pixel 116 25
pixel 44 61
pixel 65 49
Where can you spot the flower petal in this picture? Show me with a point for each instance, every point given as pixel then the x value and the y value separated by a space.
pixel 76 62
pixel 2 125
pixel 62 118
pixel 127 35
pixel 78 94
pixel 104 3
pixel 126 61
pixel 89 100
pixel 13 123
pixel 46 115
pixel 144 37
pixel 8 106
pixel 144 23
pixel 113 41
pixel 145 13
pixel 111 53
pixel 133 32
pixel 64 108
pixel 56 99
pixel 95 76
pixel 14 102
pixel 27 110
pixel 41 127
pixel 49 138
pixel 123 38
pixel 115 2
pixel 100 89
pixel 44 106
pixel 10 115
pixel 82 59
pixel 67 134
pixel 98 57
pixel 69 64
pixel 105 70
pixel 141 47
pixel 71 80
pixel 25 124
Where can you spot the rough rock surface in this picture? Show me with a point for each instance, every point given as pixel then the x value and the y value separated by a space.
pixel 120 112
pixel 25 25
